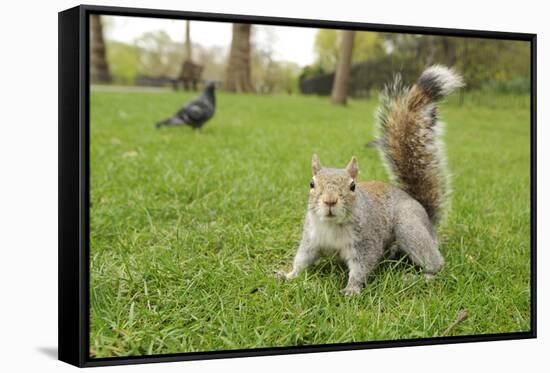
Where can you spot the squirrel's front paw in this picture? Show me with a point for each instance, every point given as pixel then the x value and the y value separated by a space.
pixel 429 277
pixel 351 290
pixel 286 276
pixel 281 275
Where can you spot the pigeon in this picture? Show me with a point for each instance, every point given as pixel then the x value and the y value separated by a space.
pixel 196 112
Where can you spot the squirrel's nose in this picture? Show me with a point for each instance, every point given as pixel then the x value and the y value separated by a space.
pixel 330 200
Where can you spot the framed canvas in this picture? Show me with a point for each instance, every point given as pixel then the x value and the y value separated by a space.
pixel 234 186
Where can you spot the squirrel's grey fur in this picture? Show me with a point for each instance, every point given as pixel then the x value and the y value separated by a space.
pixel 363 221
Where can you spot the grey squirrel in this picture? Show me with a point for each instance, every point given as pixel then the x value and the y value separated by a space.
pixel 362 221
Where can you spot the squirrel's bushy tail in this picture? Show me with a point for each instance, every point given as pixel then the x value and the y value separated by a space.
pixel 409 135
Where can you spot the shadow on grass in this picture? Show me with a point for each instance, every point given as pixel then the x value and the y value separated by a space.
pixel 400 262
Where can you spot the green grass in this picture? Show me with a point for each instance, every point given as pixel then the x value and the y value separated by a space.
pixel 187 227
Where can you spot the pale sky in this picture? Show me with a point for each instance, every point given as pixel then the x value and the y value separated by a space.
pixel 293 44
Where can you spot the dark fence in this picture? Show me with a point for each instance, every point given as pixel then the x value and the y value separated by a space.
pixel 150 81
pixel 317 85
pixel 365 76
pixel 163 81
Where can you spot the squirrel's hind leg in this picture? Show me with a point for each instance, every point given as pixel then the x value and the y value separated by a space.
pixel 414 236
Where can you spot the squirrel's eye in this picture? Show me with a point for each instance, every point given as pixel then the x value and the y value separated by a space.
pixel 311 184
pixel 352 186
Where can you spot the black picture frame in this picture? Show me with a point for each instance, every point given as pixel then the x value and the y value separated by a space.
pixel 74 171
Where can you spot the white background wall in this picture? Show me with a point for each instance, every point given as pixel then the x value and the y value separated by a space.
pixel 28 184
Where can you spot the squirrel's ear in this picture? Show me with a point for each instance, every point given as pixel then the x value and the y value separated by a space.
pixel 352 168
pixel 315 164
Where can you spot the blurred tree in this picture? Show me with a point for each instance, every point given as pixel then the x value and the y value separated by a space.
pixel 123 62
pixel 287 77
pixel 213 59
pixel 340 85
pixel 272 76
pixel 423 50
pixel 479 60
pixel 262 70
pixel 367 45
pixel 263 65
pixel 99 69
pixel 486 61
pixel 190 72
pixel 327 49
pixel 158 55
pixel 188 48
pixel 501 66
pixel 238 68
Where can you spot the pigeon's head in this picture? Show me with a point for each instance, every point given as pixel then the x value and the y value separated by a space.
pixel 210 86
pixel 332 191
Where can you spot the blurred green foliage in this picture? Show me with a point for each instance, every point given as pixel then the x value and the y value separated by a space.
pixel 367 45
pixel 158 55
pixel 123 62
pixel 502 66
pixel 516 86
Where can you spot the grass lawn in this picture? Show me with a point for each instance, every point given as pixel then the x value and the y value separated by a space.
pixel 187 227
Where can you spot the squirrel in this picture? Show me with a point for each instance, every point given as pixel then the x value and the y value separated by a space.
pixel 363 221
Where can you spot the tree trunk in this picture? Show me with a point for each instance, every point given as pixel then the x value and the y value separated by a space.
pixel 99 69
pixel 340 85
pixel 426 49
pixel 188 51
pixel 449 51
pixel 464 62
pixel 238 68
